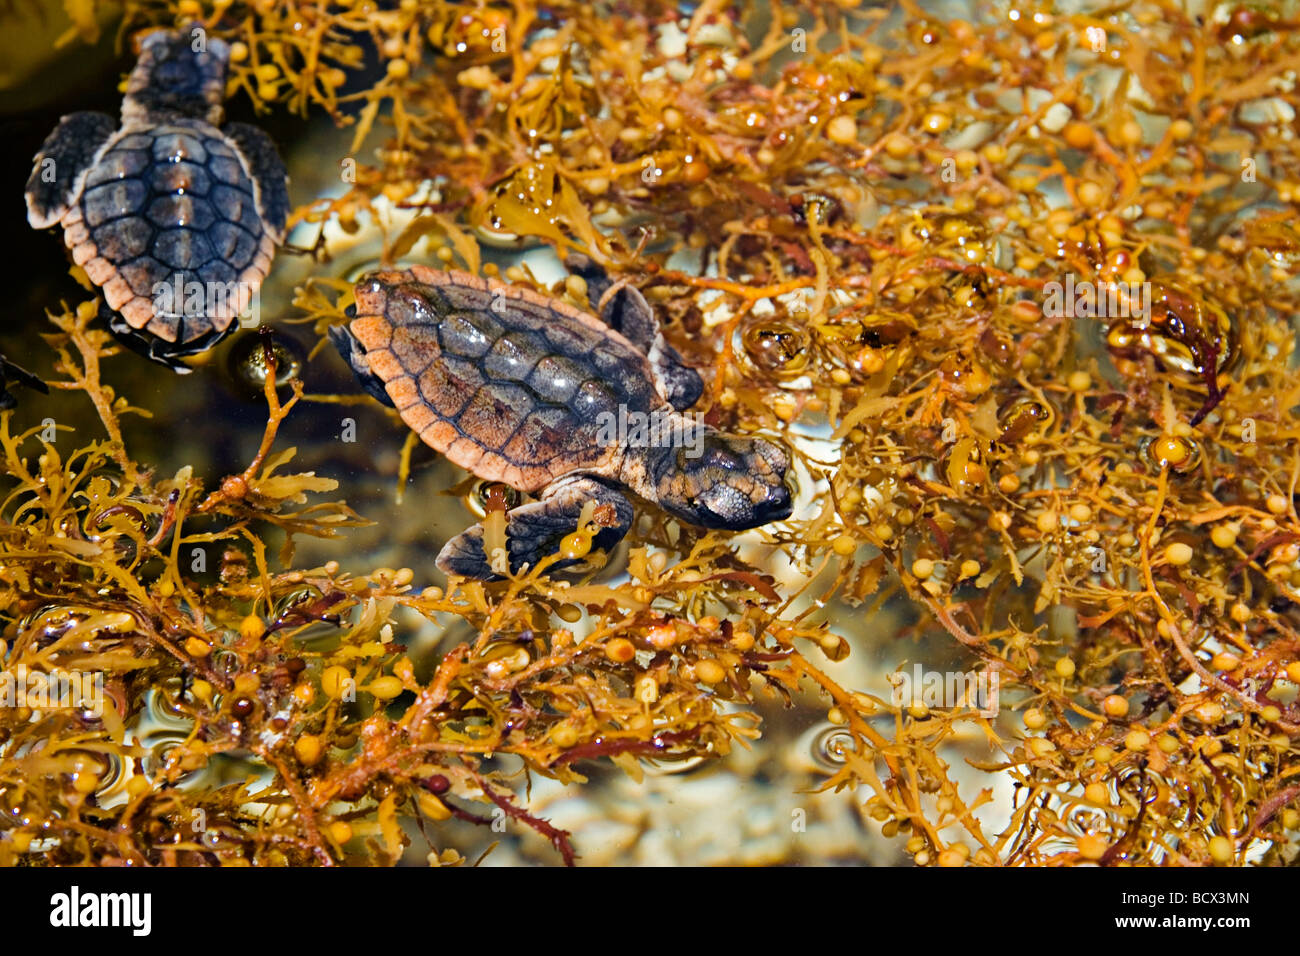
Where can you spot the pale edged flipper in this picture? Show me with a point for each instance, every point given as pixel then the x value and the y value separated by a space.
pixel 536 530
pixel 625 310
pixel 268 172
pixel 60 168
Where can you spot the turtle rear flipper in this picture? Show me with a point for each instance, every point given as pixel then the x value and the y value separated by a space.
pixel 267 170
pixel 60 167
pixel 535 531
pixel 625 310
pixel 151 347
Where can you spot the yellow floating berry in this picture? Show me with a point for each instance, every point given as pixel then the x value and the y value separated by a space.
pixel 1277 504
pixel 620 650
pixel 335 681
pixel 1223 661
pixel 252 628
pixel 1097 793
pixel 1078 135
pixel 1221 849
pixel 399 69
pixel 564 736
pixel 969 568
pixel 1065 667
pixel 1079 381
pixel 710 672
pixel 842 130
pixel 1209 712
pixel 1137 740
pixel 1223 536
pixel 1115 706
pixel 660 637
pixel 197 647
pixel 340 831
pixel 844 545
pixel 1092 847
pixel 307 749
pixel 386 687
pixel 1179 553
pixel 238 51
pixel 576 545
pixel 432 807
pixel 1208 746
pixel 923 568
pixel 742 641
pixel 202 690
pixel 1035 719
pixel 247 683
pixel 138 786
pixel 1040 746
pixel 1293 672
pixel 1170 450
pixel 952 857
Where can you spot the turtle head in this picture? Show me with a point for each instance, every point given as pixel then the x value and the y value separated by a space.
pixel 724 482
pixel 179 72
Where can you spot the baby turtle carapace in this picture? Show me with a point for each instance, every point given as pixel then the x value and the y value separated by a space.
pixel 521 388
pixel 174 219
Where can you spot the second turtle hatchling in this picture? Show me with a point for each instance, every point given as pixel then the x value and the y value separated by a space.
pixel 175 217
pixel 520 388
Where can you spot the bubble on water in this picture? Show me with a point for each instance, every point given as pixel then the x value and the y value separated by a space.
pixel 1176 452
pixel 831 746
pixel 776 346
pixel 250 360
pixel 485 493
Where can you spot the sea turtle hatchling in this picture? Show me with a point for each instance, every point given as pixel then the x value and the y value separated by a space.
pixel 174 219
pixel 521 388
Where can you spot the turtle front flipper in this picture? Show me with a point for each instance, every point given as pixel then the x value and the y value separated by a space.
pixel 625 310
pixel 60 167
pixel 268 172
pixel 537 530
pixel 355 355
pixel 15 374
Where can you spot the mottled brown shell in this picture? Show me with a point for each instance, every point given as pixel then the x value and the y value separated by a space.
pixel 510 385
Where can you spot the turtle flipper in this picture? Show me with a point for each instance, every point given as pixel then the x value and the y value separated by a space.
pixel 535 531
pixel 60 167
pixel 151 347
pixel 625 310
pixel 268 173
pixel 11 373
pixel 355 355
